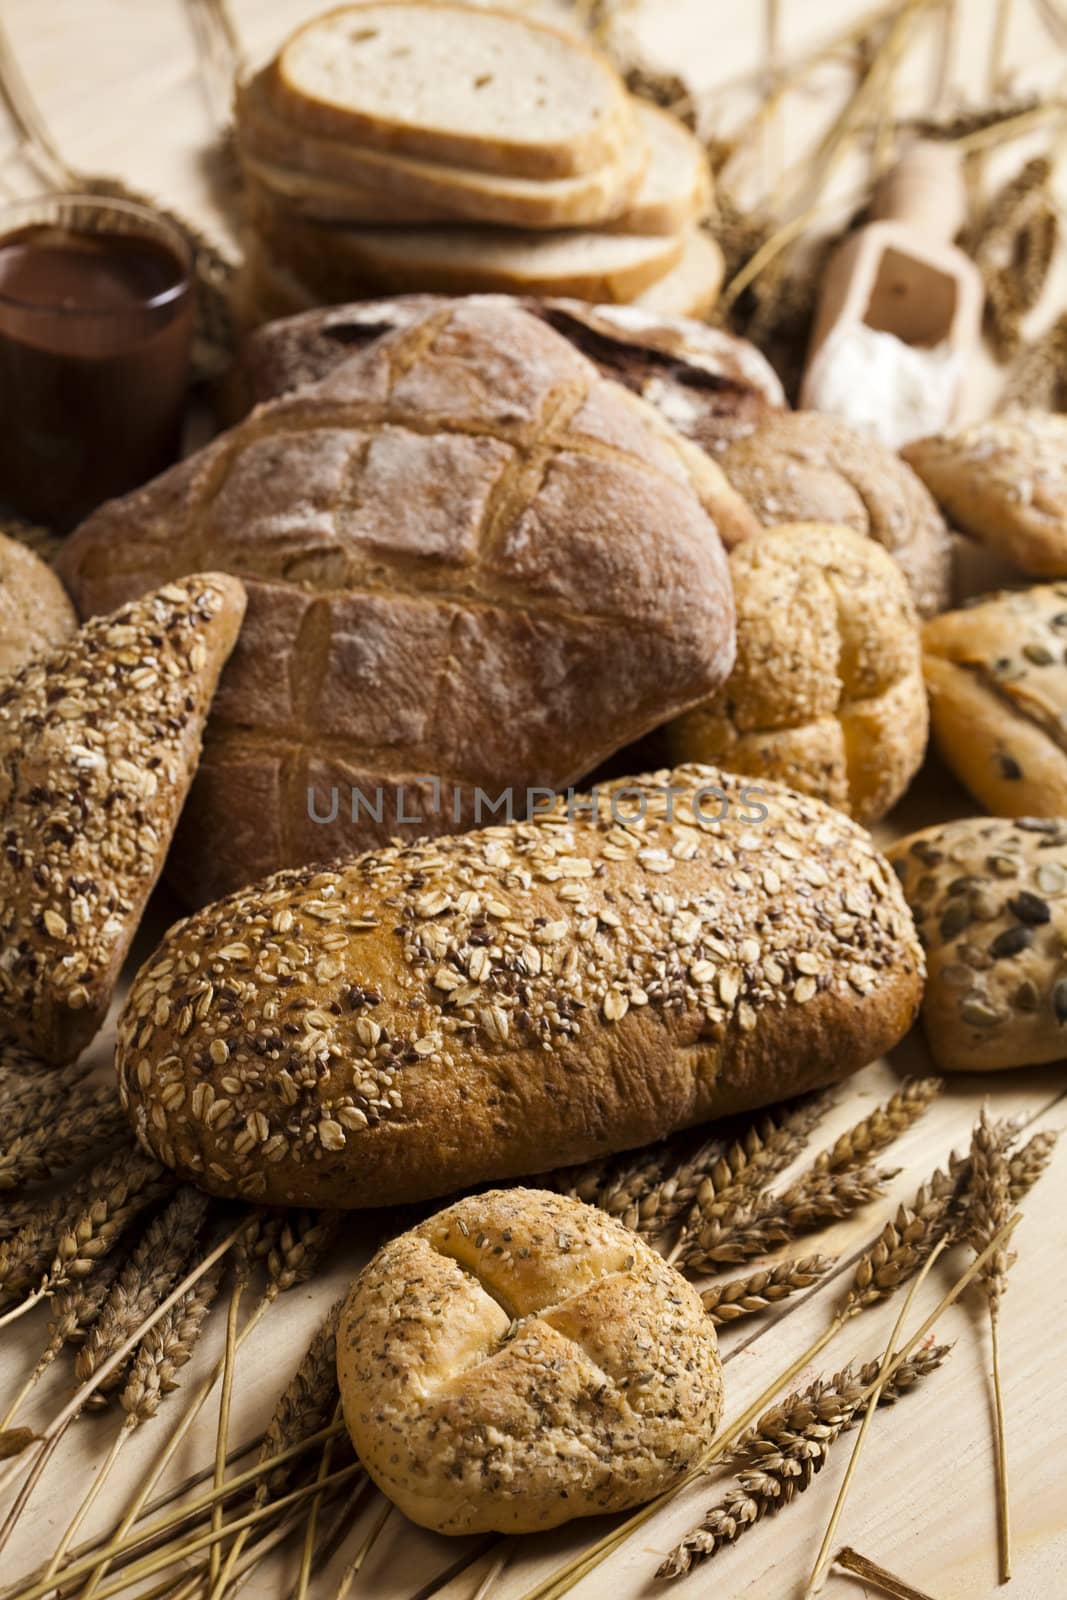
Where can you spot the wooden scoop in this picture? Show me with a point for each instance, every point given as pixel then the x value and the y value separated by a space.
pixel 901 274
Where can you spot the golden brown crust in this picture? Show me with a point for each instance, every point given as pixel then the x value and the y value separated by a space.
pixel 801 466
pixel 989 898
pixel 34 610
pixel 521 1359
pixel 466 555
pixel 827 690
pixel 1004 481
pixel 99 739
pixel 997 680
pixel 416 1020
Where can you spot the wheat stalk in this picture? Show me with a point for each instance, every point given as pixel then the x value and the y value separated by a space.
pixel 758 1291
pixel 159 1357
pixel 152 1269
pixel 786 1449
pixel 1027 1165
pixel 862 1567
pixel 770 1220
pixel 876 1132
pixel 746 1168
pixel 67 1126
pixel 988 1207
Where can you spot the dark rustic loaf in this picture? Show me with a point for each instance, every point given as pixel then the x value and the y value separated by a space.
pixel 707 383
pixel 466 555
pixel 484 1006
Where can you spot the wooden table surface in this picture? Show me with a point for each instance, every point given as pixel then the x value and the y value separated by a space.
pixel 122 88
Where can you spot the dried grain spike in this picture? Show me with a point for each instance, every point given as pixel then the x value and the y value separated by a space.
pixel 905 1242
pixel 303 1240
pixel 744 1297
pixel 989 1201
pixel 153 1269
pixel 166 1348
pixel 120 1189
pixel 1027 1165
pixel 787 1448
pixel 774 1219
pixel 68 1125
pixel 856 1146
pixel 306 1404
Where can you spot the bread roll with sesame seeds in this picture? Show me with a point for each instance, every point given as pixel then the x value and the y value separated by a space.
pixel 421 1018
pixel 521 1359
pixel 99 740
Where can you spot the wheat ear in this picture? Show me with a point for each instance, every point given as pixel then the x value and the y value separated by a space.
pixel 744 1297
pixel 561 1582
pixel 1027 1165
pixel 755 1228
pixel 67 1125
pixel 788 1447
pixel 876 1132
pixel 74 1310
pixel 988 1207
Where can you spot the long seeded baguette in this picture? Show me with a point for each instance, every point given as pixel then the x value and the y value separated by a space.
pixel 478 87
pixel 480 1006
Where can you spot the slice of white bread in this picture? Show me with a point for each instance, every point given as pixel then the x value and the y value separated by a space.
pixel 691 287
pixel 339 263
pixel 342 181
pixel 676 187
pixel 477 87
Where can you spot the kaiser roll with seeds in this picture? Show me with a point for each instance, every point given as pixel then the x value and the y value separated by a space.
pixel 989 897
pixel 473 565
pixel 1004 482
pixel 827 690
pixel 426 1017
pixel 801 466
pixel 99 740
pixel 996 672
pixel 521 1359
pixel 34 610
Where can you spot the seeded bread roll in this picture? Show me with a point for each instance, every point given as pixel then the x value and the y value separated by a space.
pixel 521 1359
pixel 1004 481
pixel 801 466
pixel 989 898
pixel 997 681
pixel 99 739
pixel 34 610
pixel 417 1020
pixel 827 689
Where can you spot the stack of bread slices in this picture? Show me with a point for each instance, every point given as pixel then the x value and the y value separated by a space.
pixel 427 144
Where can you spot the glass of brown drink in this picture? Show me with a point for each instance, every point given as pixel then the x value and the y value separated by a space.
pixel 96 319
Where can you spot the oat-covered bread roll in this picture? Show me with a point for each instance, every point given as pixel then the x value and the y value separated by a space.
pixel 34 610
pixel 417 1020
pixel 827 689
pixel 801 466
pixel 1004 481
pixel 521 1359
pixel 997 678
pixel 99 740
pixel 989 897
pixel 469 558
pixel 707 383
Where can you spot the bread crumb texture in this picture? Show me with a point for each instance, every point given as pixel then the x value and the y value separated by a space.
pixel 98 742
pixel 420 1018
pixel 521 1359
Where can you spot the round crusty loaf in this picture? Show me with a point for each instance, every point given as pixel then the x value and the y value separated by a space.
pixel 34 610
pixel 467 556
pixel 417 1020
pixel 521 1359
pixel 705 382
pixel 801 466
pixel 1004 481
pixel 827 690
